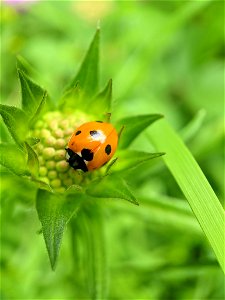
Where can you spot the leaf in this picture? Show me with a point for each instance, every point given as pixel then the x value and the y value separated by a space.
pixel 32 94
pixel 133 126
pixel 16 121
pixel 88 75
pixel 13 159
pixel 39 110
pixel 111 186
pixel 54 212
pixel 32 161
pixel 102 102
pixel 24 65
pixel 190 178
pixel 71 98
pixel 129 159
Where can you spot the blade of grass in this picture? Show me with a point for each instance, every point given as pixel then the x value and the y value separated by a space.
pixel 193 183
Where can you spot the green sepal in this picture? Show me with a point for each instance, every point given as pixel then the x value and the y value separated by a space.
pixel 133 126
pixel 130 159
pixel 111 186
pixel 71 98
pixel 81 91
pixel 32 94
pixel 39 109
pixel 88 75
pixel 102 102
pixel 13 159
pixel 54 212
pixel 16 121
pixel 32 161
pixel 23 64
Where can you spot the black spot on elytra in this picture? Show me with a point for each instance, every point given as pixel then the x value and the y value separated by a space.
pixel 93 132
pixel 108 149
pixel 78 132
pixel 87 154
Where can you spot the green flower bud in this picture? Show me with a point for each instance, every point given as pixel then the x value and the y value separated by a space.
pixel 54 131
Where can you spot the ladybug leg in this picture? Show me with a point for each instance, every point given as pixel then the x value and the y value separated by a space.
pixel 108 117
pixel 120 132
pixel 110 165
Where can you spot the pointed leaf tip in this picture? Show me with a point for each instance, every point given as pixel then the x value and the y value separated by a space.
pixel 32 94
pixel 54 212
pixel 88 74
pixel 133 126
pixel 102 102
pixel 111 186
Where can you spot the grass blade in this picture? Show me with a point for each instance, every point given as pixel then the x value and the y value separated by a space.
pixel 193 183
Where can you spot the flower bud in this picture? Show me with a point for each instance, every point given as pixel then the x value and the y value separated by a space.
pixel 54 131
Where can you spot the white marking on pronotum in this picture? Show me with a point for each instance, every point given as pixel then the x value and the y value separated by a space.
pixel 98 136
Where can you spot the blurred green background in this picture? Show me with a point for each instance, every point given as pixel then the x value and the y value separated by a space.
pixel 164 57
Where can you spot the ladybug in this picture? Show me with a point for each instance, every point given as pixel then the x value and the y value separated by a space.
pixel 91 146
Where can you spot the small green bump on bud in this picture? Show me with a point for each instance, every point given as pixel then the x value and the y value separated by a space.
pixel 41 160
pixel 50 165
pixel 50 141
pixel 39 148
pixel 75 175
pixel 55 183
pixel 36 133
pixel 53 125
pixel 60 154
pixel 42 171
pixel 69 131
pixel 60 190
pixel 64 124
pixel 44 179
pixel 58 133
pixel 39 124
pixel 45 133
pixel 62 166
pixel 60 144
pixel 67 182
pixel 48 153
pixel 52 174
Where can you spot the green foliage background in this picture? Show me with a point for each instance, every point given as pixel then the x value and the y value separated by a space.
pixel 164 57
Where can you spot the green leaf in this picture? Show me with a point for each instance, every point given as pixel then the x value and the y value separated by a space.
pixel 88 75
pixel 39 109
pixel 201 197
pixel 133 126
pixel 32 94
pixel 13 159
pixel 111 186
pixel 129 159
pixel 102 102
pixel 54 212
pixel 71 98
pixel 32 161
pixel 16 121
pixel 24 65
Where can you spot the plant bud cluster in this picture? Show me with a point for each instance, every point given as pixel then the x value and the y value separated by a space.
pixel 54 131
